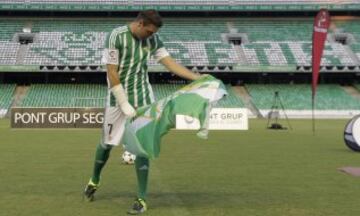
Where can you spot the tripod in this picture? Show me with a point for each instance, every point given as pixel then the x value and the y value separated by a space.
pixel 274 113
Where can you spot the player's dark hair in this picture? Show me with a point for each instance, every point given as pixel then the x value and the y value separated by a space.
pixel 150 17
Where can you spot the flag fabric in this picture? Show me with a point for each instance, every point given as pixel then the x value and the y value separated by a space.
pixel 321 25
pixel 142 135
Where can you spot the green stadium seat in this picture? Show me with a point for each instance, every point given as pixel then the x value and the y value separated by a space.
pixel 298 97
pixel 9 27
pixel 232 100
pixel 65 95
pixel 6 95
pixel 63 42
pixel 201 43
pixel 93 95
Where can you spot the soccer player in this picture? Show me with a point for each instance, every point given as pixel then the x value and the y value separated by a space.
pixel 127 50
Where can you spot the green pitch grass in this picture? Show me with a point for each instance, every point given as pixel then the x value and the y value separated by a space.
pixel 256 172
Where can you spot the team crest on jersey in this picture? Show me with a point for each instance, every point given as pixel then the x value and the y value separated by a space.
pixel 112 54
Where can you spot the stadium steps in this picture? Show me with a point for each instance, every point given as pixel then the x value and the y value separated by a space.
pixel 351 90
pixel 28 25
pixel 23 49
pixel 230 26
pixel 352 54
pixel 241 55
pixel 233 100
pixel 246 98
pixel 20 93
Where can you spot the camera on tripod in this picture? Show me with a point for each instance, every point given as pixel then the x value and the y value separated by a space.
pixel 274 114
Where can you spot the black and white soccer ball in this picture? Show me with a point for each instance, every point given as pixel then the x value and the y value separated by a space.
pixel 128 158
pixel 352 134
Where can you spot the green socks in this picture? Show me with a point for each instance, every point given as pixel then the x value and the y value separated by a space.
pixel 141 167
pixel 142 172
pixel 102 155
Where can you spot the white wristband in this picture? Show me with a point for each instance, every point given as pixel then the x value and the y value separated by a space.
pixel 119 93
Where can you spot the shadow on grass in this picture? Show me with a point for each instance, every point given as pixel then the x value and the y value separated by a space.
pixel 178 199
pixel 194 199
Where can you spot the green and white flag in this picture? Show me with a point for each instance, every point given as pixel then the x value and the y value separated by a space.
pixel 143 134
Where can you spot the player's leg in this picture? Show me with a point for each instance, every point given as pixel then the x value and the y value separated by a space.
pixel 142 172
pixel 113 129
pixel 139 206
pixel 101 156
pixel 142 166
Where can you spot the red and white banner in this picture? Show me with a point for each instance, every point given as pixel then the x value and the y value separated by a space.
pixel 321 26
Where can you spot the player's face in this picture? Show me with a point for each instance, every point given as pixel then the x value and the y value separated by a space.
pixel 145 31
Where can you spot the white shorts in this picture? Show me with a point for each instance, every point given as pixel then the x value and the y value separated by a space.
pixel 114 126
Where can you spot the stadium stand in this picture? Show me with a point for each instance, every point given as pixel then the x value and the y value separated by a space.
pixel 226 44
pixel 232 100
pixel 298 97
pixel 199 43
pixel 9 48
pixel 61 48
pixel 9 28
pixel 203 45
pixel 294 53
pixel 65 95
pixel 6 97
pixel 290 44
pixel 164 90
pixel 8 52
pixel 357 86
pixel 92 95
pixel 286 30
pixel 70 42
pixel 351 27
pixel 294 97
pixel 6 94
pixel 174 4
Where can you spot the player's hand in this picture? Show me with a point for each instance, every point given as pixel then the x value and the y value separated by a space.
pixel 122 99
pixel 204 75
pixel 199 75
pixel 127 109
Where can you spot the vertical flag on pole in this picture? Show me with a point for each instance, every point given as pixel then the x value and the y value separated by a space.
pixel 321 26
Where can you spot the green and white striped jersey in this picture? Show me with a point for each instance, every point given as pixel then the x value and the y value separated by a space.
pixel 132 56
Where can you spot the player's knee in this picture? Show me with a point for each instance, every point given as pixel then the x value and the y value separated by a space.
pixel 106 146
pixel 99 161
pixel 142 160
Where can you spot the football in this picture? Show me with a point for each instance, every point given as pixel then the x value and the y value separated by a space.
pixel 352 134
pixel 128 158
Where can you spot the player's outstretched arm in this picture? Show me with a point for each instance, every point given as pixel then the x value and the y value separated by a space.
pixel 178 69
